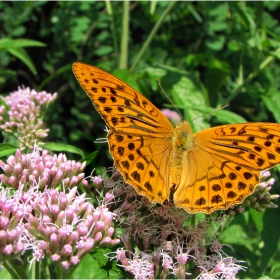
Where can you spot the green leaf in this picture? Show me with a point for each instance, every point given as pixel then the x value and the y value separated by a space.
pixel 270 236
pixel 234 45
pixel 194 13
pixel 7 149
pixel 258 219
pixel 66 68
pixel 58 147
pixel 103 50
pixel 24 57
pixel 154 75
pixel 7 43
pixel 89 158
pixel 109 267
pixel 275 267
pixel 80 25
pixel 225 117
pixel 216 75
pixel 82 271
pixel 187 94
pixel 215 43
pixel 272 101
pixel 4 274
pixel 234 234
pixel 241 9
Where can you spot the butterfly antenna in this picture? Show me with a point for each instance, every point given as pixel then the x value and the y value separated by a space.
pixel 210 113
pixel 170 99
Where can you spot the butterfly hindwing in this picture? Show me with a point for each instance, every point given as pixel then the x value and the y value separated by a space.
pixel 228 161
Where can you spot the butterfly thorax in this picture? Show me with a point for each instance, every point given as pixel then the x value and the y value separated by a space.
pixel 182 142
pixel 182 137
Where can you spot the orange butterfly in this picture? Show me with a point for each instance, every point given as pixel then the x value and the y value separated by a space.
pixel 212 169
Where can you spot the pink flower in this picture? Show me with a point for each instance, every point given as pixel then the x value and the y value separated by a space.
pixel 41 169
pixel 24 117
pixel 173 116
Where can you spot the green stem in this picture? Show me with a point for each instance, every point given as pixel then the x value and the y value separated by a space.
pixel 36 270
pixel 45 268
pixel 152 35
pixel 221 226
pixel 124 40
pixel 113 27
pixel 252 75
pixel 11 270
pixel 85 40
pixel 241 73
pixel 18 265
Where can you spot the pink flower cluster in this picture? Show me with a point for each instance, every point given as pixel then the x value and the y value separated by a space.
pixel 42 170
pixel 23 118
pixel 67 227
pixel 50 220
pixel 160 241
pixel 14 238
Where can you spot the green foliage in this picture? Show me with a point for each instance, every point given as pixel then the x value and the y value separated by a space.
pixel 205 55
pixel 98 267
pixel 63 148
pixel 7 149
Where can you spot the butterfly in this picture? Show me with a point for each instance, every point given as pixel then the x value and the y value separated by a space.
pixel 202 172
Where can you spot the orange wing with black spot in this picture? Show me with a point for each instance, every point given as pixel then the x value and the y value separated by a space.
pixel 140 135
pixel 209 170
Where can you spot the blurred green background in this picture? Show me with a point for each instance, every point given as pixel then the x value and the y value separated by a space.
pixel 205 55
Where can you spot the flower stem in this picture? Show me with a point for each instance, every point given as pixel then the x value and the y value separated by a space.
pixel 46 271
pixel 112 26
pixel 124 41
pixel 152 35
pixel 11 270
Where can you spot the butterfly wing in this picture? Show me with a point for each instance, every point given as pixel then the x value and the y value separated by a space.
pixel 140 135
pixel 145 163
pixel 224 165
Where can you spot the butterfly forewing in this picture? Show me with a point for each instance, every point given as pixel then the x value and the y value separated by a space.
pixel 123 108
pixel 140 135
pixel 144 162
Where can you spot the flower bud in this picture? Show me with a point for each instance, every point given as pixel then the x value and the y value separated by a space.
pixel 55 258
pixel 106 241
pixel 8 249
pixel 66 250
pixel 74 260
pixel 98 237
